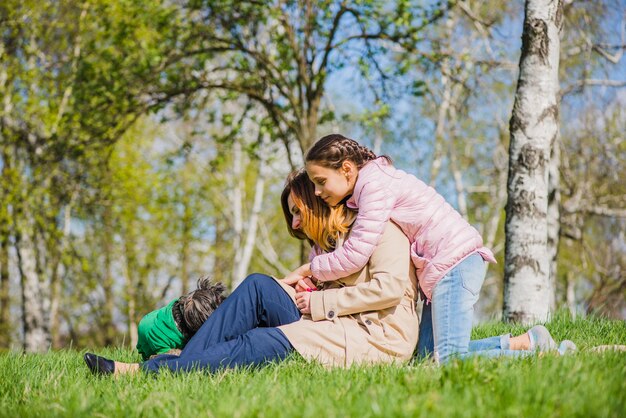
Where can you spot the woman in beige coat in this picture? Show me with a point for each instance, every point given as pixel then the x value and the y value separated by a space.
pixel 368 317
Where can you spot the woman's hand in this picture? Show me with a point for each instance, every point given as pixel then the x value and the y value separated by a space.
pixel 303 302
pixel 298 274
pixel 305 285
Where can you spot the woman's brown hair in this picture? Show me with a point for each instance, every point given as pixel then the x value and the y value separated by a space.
pixel 320 224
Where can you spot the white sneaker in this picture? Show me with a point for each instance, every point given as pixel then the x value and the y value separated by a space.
pixel 567 347
pixel 540 339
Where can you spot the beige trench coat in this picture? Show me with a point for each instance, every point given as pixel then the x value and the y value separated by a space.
pixel 368 317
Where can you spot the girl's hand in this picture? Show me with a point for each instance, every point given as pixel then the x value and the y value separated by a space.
pixel 303 302
pixel 293 278
pixel 305 285
pixel 298 274
pixel 305 270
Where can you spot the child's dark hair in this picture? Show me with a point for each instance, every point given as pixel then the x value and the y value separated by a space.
pixel 332 150
pixel 191 310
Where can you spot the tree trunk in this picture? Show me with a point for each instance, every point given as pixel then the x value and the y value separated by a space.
pixel 107 284
pixel 56 276
pixel 222 264
pixel 554 221
pixel 570 294
pixel 36 335
pixel 498 191
pixel 131 284
pixel 309 126
pixel 5 326
pixel 534 129
pixel 5 216
pixel 35 297
pixel 243 262
pixel 186 229
pixel 236 200
pixel 442 113
pixel 455 168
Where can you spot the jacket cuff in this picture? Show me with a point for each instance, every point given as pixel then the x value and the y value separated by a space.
pixel 324 305
pixel 317 305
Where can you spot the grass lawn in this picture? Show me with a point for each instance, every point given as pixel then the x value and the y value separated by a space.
pixel 583 384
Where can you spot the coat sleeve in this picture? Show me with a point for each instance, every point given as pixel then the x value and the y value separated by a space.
pixel 389 271
pixel 375 205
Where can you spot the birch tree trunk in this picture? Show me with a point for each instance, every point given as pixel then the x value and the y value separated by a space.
pixel 57 272
pixel 554 222
pixel 534 130
pixel 108 281
pixel 570 294
pixel 5 231
pixel 442 114
pixel 6 193
pixel 245 254
pixel 186 235
pixel 5 328
pixel 36 335
pixel 131 283
pixel 236 198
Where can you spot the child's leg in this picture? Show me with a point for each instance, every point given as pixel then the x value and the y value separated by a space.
pixel 502 345
pixel 254 348
pixel 490 343
pixel 453 302
pixel 257 302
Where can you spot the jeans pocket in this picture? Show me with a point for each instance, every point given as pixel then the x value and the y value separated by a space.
pixel 472 271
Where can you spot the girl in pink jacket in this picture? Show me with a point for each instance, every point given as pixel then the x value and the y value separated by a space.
pixel 447 252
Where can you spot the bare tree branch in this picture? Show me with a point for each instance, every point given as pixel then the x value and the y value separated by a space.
pixel 580 84
pixel 605 211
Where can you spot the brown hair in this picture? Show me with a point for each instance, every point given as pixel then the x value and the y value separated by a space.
pixel 321 225
pixel 332 150
pixel 193 309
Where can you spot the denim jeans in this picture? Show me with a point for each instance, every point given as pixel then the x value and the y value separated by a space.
pixel 446 325
pixel 241 332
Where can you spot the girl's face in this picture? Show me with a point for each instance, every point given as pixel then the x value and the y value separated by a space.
pixel 296 221
pixel 333 185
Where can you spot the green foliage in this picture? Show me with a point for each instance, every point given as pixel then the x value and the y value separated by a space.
pixel 583 384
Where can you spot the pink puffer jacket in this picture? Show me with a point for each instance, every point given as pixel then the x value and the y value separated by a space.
pixel 440 238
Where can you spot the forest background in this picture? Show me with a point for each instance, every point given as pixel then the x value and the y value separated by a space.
pixel 145 143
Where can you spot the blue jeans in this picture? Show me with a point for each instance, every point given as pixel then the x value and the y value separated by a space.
pixel 241 332
pixel 446 325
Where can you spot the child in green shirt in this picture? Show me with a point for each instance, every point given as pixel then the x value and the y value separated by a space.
pixel 173 325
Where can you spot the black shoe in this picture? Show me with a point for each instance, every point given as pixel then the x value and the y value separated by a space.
pixel 99 365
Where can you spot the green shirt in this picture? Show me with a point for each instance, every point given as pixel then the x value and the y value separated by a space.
pixel 158 333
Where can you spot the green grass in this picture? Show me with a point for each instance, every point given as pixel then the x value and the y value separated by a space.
pixel 583 384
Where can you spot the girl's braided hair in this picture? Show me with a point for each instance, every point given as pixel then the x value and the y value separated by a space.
pixel 332 150
pixel 191 310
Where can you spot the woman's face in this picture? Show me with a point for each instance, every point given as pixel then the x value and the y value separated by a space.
pixel 296 222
